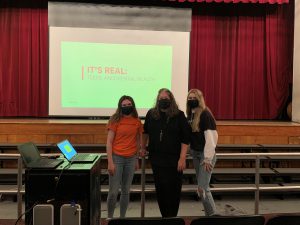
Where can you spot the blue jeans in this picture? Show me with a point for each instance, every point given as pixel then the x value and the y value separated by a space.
pixel 203 180
pixel 125 167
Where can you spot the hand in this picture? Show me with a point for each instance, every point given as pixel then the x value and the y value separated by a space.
pixel 111 169
pixel 181 164
pixel 143 152
pixel 207 166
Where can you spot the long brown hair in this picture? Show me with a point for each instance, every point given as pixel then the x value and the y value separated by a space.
pixel 198 110
pixel 118 114
pixel 171 111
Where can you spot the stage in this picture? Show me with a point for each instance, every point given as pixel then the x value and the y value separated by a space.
pixel 50 131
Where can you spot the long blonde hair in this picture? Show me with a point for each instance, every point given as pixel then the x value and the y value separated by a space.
pixel 198 110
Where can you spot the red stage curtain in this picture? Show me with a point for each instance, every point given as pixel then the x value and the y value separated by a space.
pixel 241 58
pixel 234 1
pixel 23 58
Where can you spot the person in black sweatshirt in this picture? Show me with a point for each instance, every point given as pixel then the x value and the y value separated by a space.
pixel 202 148
pixel 167 133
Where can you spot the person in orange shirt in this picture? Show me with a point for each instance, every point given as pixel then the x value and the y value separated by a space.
pixel 123 143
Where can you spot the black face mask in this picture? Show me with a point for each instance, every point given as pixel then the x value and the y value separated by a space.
pixel 193 103
pixel 126 110
pixel 164 103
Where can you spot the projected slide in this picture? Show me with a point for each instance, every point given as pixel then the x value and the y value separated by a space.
pixel 97 74
pixel 90 69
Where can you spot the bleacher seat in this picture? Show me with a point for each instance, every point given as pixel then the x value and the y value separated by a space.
pixel 229 220
pixel 284 220
pixel 147 221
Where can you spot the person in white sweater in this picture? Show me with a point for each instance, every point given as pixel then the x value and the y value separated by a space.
pixel 203 144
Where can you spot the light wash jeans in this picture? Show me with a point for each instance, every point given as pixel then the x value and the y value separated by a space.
pixel 125 167
pixel 203 180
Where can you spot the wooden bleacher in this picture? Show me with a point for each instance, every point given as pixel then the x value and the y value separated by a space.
pixel 234 136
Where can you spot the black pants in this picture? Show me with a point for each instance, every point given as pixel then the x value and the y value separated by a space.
pixel 168 183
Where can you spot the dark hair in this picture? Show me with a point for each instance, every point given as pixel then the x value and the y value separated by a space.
pixel 118 114
pixel 171 111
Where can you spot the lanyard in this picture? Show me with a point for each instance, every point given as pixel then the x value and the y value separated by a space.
pixel 163 126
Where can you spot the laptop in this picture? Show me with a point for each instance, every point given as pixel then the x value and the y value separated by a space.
pixel 72 156
pixel 32 158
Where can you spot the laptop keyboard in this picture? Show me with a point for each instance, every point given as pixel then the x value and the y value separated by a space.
pixel 45 161
pixel 83 157
pixel 41 163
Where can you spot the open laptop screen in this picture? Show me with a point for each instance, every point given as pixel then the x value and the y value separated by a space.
pixel 67 149
pixel 32 159
pixel 29 153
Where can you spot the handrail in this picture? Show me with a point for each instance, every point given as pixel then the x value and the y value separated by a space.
pixel 252 156
pixel 9 156
pixel 245 155
pixel 257 189
pixel 5 156
pixel 16 156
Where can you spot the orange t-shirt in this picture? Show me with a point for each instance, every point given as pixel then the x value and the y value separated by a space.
pixel 125 140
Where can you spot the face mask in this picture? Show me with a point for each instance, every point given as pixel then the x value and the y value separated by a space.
pixel 164 103
pixel 193 103
pixel 126 110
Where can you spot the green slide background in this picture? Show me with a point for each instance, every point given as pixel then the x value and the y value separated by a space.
pixel 145 68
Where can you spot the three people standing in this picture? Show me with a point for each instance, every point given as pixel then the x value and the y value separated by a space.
pixel 167 133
